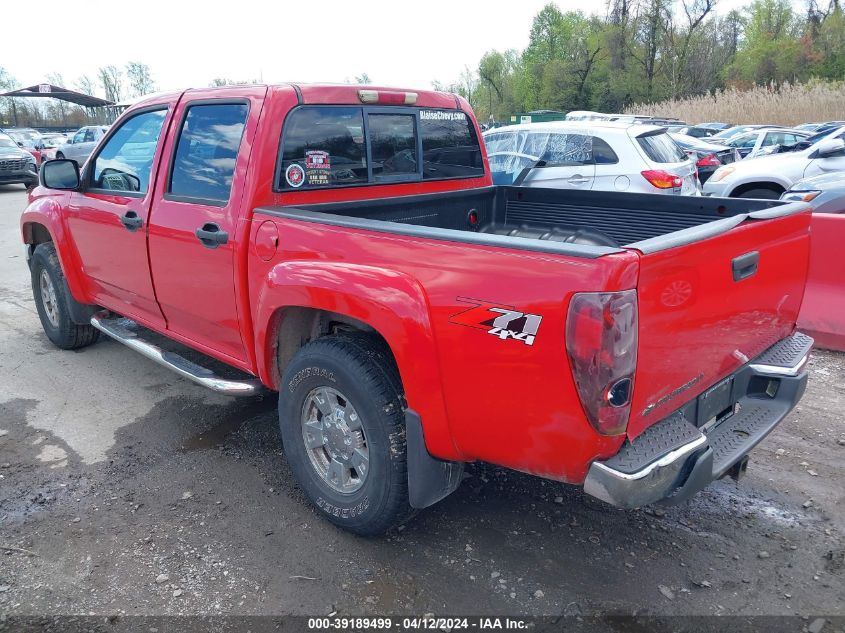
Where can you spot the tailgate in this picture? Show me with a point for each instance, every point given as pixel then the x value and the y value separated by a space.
pixel 708 307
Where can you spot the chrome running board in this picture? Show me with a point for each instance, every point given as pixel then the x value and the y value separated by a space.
pixel 124 330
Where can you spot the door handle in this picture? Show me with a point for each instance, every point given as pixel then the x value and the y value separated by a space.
pixel 745 266
pixel 211 236
pixel 131 221
pixel 578 179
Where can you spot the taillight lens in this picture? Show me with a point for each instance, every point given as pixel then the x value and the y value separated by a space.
pixel 662 179
pixel 601 340
pixel 708 161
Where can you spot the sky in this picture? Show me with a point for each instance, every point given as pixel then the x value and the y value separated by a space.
pixel 187 43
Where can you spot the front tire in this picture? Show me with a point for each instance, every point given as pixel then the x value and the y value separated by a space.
pixel 49 290
pixel 341 414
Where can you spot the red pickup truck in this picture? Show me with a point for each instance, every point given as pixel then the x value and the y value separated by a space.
pixel 344 246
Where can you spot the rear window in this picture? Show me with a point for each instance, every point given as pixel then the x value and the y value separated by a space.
pixel 336 146
pixel 660 148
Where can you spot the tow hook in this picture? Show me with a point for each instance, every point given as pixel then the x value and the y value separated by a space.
pixel 738 470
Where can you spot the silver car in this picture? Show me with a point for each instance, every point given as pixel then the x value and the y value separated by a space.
pixel 82 143
pixel 597 155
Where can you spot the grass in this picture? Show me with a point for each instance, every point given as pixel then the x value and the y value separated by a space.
pixel 787 104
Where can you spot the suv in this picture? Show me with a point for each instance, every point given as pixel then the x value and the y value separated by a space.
pixel 17 166
pixel 82 143
pixel 597 155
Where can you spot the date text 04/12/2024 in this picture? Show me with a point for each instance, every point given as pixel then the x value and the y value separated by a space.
pixel 416 623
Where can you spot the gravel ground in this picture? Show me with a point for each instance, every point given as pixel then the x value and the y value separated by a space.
pixel 126 490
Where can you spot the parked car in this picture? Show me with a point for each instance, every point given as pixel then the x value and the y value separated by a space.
pixel 17 165
pixel 735 130
pixel 758 142
pixel 708 156
pixel 715 125
pixel 82 143
pixel 770 176
pixel 828 126
pixel 27 138
pixel 366 269
pixel 825 193
pixel 695 131
pixel 50 144
pixel 598 155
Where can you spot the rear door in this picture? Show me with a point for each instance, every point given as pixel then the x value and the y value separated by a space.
pixel 707 308
pixel 193 233
pixel 567 160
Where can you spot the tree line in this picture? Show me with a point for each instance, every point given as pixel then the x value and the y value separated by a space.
pixel 644 51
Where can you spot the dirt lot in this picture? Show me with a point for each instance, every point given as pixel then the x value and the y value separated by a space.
pixel 126 490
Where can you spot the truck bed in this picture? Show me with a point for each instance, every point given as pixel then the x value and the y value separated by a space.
pixel 567 222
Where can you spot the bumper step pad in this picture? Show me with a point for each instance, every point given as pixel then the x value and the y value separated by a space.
pixel 673 459
pixel 786 353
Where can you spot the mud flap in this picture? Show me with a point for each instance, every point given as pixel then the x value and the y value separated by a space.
pixel 429 479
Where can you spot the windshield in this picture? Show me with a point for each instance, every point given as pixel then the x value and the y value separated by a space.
pixel 7 142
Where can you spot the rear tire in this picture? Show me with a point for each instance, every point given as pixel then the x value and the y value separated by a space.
pixel 59 156
pixel 51 300
pixel 760 194
pixel 341 415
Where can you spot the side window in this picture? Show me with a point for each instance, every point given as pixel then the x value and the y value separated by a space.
pixel 323 146
pixel 89 135
pixel 393 145
pixel 79 137
pixel 206 151
pixel 568 150
pixel 125 162
pixel 603 154
pixel 450 145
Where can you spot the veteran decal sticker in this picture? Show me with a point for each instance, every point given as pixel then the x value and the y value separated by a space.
pixel 295 175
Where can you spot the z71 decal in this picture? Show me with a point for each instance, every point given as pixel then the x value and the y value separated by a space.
pixel 499 320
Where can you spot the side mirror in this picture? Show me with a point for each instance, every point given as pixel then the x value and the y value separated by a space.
pixel 20 144
pixel 60 174
pixel 830 146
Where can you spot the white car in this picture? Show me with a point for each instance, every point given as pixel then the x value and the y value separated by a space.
pixel 756 142
pixel 769 176
pixel 597 155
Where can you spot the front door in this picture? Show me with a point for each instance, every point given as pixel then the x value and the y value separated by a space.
pixel 194 225
pixel 108 217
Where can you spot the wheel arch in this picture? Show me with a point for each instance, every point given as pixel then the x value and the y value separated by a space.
pixel 772 185
pixel 41 223
pixel 299 301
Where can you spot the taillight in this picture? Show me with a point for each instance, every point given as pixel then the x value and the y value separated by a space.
pixel 662 179
pixel 601 341
pixel 387 97
pixel 709 161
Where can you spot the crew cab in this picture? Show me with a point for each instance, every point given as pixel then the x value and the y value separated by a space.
pixel 344 246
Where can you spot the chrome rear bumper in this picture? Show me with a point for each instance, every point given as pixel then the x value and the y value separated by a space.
pixel 673 459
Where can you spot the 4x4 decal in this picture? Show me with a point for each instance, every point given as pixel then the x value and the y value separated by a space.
pixel 499 320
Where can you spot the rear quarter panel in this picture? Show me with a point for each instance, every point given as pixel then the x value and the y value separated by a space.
pixel 479 397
